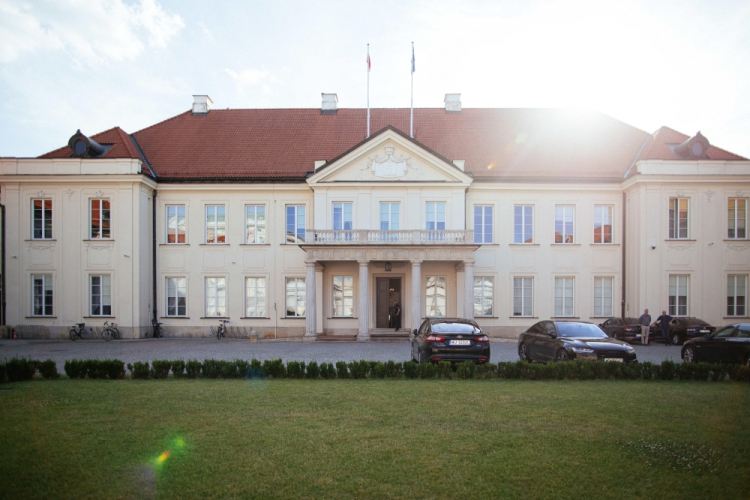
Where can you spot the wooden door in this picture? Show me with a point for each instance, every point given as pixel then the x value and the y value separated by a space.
pixel 381 306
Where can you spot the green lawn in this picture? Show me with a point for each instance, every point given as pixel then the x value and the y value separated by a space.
pixel 374 439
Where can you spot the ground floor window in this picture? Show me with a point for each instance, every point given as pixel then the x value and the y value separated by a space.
pixel 736 293
pixel 343 296
pixel 255 297
pixel 216 297
pixel 522 297
pixel 42 295
pixel 295 297
pixel 678 295
pixel 435 296
pixel 176 297
pixel 101 295
pixel 483 294
pixel 564 297
pixel 603 297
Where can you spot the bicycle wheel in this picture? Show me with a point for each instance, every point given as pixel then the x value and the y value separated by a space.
pixel 73 333
pixel 107 334
pixel 116 332
pixel 219 333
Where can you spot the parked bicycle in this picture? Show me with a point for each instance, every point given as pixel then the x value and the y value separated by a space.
pixel 158 330
pixel 78 331
pixel 222 330
pixel 110 331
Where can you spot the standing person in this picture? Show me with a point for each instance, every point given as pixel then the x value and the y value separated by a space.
pixel 397 316
pixel 664 320
pixel 645 322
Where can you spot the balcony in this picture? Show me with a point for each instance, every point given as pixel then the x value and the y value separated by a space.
pixel 387 237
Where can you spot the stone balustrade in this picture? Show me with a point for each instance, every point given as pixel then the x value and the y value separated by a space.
pixel 388 237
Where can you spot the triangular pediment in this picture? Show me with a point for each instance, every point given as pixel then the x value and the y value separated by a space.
pixel 390 157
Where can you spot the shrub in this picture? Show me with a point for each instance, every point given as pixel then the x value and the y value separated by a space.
pixel 139 370
pixel 274 368
pixel 18 369
pixel 341 370
pixel 160 369
pixel 243 368
pixel 2 373
pixel 427 370
pixel 718 372
pixel 211 368
pixel 737 373
pixel 393 370
pixel 48 369
pixel 294 370
pixel 465 370
pixel 327 371
pixel 313 370
pixel 229 369
pixel 178 368
pixel 668 370
pixel 411 369
pixel 114 368
pixel 193 368
pixel 378 370
pixel 74 368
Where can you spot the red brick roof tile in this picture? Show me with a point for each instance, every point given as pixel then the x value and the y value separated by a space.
pixel 122 146
pixel 657 147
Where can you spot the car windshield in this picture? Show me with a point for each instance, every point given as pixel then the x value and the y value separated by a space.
pixel 454 328
pixel 585 330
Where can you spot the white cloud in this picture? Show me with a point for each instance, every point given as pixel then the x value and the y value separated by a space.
pixel 262 79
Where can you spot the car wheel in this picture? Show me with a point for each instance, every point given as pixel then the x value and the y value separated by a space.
pixel 688 355
pixel 676 339
pixel 523 353
pixel 562 355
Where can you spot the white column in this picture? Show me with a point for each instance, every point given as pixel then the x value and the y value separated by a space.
pixel 469 290
pixel 364 301
pixel 310 306
pixel 416 293
pixel 319 302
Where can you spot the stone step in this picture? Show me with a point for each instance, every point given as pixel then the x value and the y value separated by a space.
pixel 337 338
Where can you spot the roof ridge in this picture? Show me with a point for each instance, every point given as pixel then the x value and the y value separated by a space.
pixel 128 142
pixel 163 121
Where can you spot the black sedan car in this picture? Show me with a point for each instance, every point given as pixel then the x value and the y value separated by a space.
pixel 449 339
pixel 682 329
pixel 731 344
pixel 626 329
pixel 566 340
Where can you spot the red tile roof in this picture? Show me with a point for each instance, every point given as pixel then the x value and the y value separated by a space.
pixel 657 147
pixel 121 142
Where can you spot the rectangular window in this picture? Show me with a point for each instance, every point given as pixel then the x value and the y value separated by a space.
pixel 435 296
pixel 564 297
pixel 603 223
pixel 100 219
pixel 435 216
pixel 523 297
pixel 41 219
pixel 176 297
pixel 216 224
pixel 482 223
pixel 42 295
pixel 678 295
pixel 523 224
pixel 295 224
pixel 737 215
pixel 389 216
pixel 255 297
pixel 678 218
pixel 603 297
pixel 736 295
pixel 175 223
pixel 255 224
pixel 343 296
pixel 295 297
pixel 216 297
pixel 101 295
pixel 342 216
pixel 483 295
pixel 564 221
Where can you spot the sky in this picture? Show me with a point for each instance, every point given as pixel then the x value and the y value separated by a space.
pixel 95 64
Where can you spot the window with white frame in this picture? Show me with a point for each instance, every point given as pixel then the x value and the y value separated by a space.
pixel 736 295
pixel 482 223
pixel 176 297
pixel 296 297
pixel 101 295
pixel 255 298
pixel 41 289
pixel 564 295
pixel 216 297
pixel 295 223
pixel 99 215
pixel 216 224
pixel 175 223
pixel 435 217
pixel 603 297
pixel 523 224
pixel 564 223
pixel 342 216
pixel 523 293
pixel 678 295
pixel 603 223
pixel 389 216
pixel 737 215
pixel 343 296
pixel 255 224
pixel 435 296
pixel 41 219
pixel 678 218
pixel 483 296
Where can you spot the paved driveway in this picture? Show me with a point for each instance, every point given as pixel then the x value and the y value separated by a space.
pixel 151 349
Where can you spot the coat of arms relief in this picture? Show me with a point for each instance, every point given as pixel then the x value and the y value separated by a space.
pixel 389 166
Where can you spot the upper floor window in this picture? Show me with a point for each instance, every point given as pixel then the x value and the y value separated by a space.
pixel 342 216
pixel 678 218
pixel 678 295
pixel 41 219
pixel 523 224
pixel 435 216
pixel 603 223
pixel 42 295
pixel 295 223
pixel 101 295
pixel 255 224
pixel 100 228
pixel 389 216
pixel 216 224
pixel 564 223
pixel 175 223
pixel 737 215
pixel 483 224
pixel 483 295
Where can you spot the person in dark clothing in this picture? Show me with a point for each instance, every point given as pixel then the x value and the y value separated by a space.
pixel 396 316
pixel 663 321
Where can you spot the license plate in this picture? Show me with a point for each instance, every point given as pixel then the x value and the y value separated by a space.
pixel 460 342
pixel 615 360
pixel 705 331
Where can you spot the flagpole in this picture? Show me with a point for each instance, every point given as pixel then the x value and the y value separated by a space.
pixel 411 122
pixel 368 90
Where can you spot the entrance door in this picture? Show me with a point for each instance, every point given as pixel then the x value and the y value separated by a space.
pixel 388 294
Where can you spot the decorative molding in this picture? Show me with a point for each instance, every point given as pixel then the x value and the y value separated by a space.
pixel 30 246
pixel 739 193
pixel 709 193
pixel 70 193
pixel 394 253
pixel 738 248
pixel 99 194
pixel 89 246
pixel 680 193
pixel 40 193
pixel 389 166
pixel 690 246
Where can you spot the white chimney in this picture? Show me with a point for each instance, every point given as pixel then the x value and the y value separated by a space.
pixel 319 163
pixel 452 103
pixel 201 104
pixel 459 164
pixel 330 104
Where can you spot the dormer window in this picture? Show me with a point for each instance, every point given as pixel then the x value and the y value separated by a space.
pixel 693 149
pixel 84 147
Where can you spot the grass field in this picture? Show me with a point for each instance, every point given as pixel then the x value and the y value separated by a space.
pixel 374 439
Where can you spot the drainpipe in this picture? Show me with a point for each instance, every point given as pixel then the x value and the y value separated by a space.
pixel 2 265
pixel 153 243
pixel 624 241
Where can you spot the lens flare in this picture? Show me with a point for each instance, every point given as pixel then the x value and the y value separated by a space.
pixel 163 457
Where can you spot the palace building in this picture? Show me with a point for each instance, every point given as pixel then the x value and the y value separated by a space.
pixel 293 223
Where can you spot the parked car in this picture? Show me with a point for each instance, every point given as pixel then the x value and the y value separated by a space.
pixel 626 329
pixel 682 329
pixel 566 340
pixel 730 344
pixel 449 339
